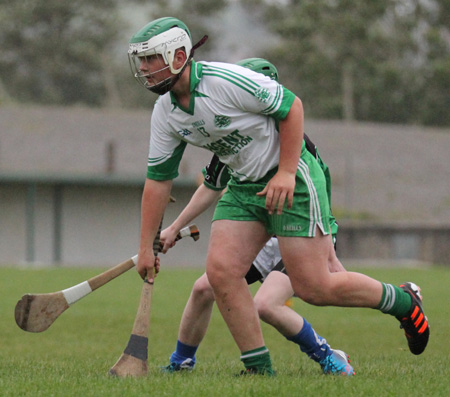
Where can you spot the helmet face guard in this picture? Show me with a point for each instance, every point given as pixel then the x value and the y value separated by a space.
pixel 144 46
pixel 161 38
pixel 150 80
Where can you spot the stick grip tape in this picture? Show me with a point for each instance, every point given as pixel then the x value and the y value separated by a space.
pixel 137 347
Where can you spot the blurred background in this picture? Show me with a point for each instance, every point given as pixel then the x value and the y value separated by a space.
pixel 374 78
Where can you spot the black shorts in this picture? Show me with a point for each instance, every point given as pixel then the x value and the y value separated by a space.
pixel 254 275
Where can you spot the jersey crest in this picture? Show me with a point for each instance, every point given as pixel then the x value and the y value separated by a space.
pixel 263 94
pixel 221 121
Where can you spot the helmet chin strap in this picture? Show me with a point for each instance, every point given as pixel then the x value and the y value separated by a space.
pixel 162 87
pixel 166 85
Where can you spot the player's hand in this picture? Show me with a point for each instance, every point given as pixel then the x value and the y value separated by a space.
pixel 146 264
pixel 280 187
pixel 168 238
pixel 157 265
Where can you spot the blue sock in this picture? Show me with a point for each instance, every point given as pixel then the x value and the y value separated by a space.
pixel 183 352
pixel 310 343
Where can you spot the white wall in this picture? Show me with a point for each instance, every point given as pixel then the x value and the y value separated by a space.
pixel 99 226
pixel 12 223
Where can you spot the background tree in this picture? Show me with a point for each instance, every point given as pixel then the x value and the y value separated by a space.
pixel 66 52
pixel 201 17
pixel 382 61
pixel 53 51
pixel 379 61
pixel 436 69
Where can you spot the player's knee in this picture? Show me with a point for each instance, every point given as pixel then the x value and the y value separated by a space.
pixel 264 308
pixel 220 272
pixel 202 289
pixel 216 273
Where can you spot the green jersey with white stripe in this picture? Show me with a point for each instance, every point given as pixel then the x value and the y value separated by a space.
pixel 233 112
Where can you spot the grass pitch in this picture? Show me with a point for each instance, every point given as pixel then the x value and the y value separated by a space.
pixel 73 356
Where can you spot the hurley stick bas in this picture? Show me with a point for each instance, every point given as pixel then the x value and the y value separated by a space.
pixel 133 361
pixel 37 312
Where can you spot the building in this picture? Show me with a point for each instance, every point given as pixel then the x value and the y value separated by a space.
pixel 71 181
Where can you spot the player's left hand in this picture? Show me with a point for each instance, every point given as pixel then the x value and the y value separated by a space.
pixel 168 238
pixel 280 187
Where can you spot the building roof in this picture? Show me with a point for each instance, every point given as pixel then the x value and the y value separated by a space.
pixel 388 173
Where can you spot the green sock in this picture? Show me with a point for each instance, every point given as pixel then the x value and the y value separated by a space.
pixel 258 358
pixel 394 301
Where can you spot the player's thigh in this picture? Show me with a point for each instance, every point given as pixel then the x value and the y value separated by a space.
pixel 233 245
pixel 275 290
pixel 334 264
pixel 306 260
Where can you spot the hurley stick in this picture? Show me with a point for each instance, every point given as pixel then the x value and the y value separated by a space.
pixel 36 312
pixel 133 361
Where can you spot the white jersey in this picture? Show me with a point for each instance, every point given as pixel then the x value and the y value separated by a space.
pixel 268 258
pixel 227 115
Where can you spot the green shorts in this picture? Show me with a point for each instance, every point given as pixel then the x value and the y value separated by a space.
pixel 309 210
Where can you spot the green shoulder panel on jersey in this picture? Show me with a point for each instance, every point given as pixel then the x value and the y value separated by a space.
pixel 283 110
pixel 166 168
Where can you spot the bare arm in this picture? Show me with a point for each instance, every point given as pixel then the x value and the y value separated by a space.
pixel 201 200
pixel 154 201
pixel 282 185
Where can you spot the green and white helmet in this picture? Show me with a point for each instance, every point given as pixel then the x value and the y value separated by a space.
pixel 160 37
pixel 260 65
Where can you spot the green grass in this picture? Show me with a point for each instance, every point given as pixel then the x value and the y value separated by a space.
pixel 73 356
